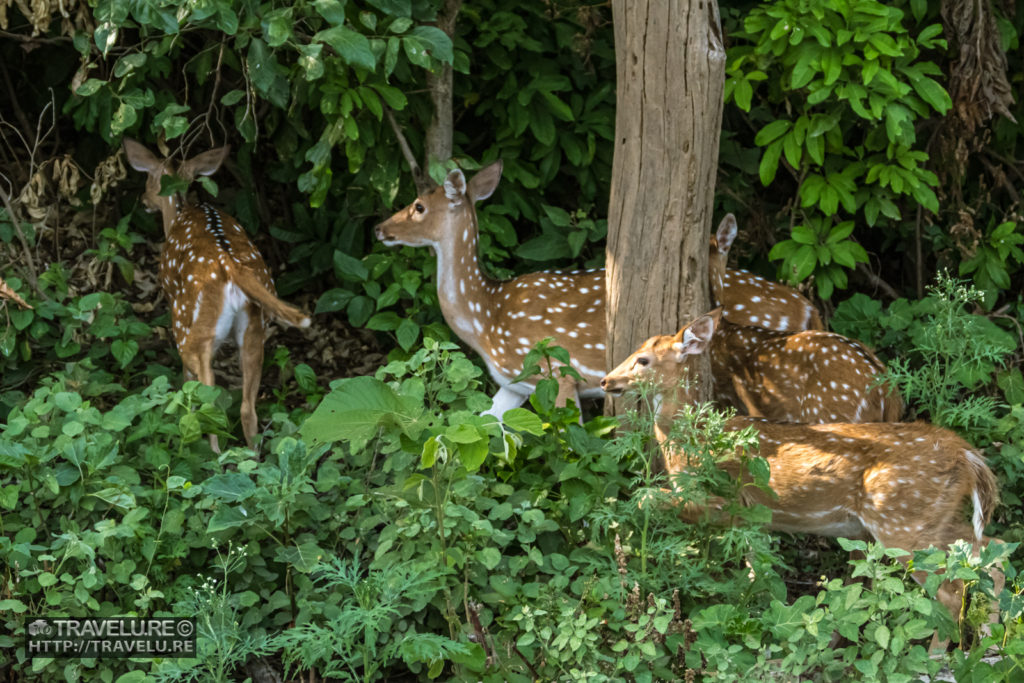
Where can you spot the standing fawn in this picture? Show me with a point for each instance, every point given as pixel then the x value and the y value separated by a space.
pixel 502 320
pixel 810 377
pixel 751 300
pixel 903 485
pixel 214 278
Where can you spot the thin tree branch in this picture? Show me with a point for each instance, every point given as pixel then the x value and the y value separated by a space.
pixel 422 180
pixel 878 282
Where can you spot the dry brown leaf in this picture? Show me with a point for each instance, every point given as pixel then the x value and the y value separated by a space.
pixel 7 293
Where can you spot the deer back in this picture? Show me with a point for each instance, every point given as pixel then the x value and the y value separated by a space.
pixel 810 377
pixel 751 300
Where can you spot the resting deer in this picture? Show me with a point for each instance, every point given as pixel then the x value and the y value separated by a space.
pixel 903 485
pixel 214 278
pixel 502 320
pixel 748 299
pixel 810 377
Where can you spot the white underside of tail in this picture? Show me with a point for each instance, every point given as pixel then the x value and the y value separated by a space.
pixel 233 319
pixel 978 518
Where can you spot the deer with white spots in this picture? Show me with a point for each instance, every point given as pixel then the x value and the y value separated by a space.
pixel 748 299
pixel 215 280
pixel 810 377
pixel 904 485
pixel 502 320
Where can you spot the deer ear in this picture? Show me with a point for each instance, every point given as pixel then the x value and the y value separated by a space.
pixel 139 158
pixel 694 338
pixel 726 233
pixel 455 186
pixel 485 182
pixel 206 163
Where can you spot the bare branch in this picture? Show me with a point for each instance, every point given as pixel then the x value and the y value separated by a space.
pixel 422 180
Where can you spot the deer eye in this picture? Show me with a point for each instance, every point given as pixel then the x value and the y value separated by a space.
pixel 642 362
pixel 419 208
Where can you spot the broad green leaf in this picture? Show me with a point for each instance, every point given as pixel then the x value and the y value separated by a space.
pixel 770 162
pixel 356 408
pixel 523 420
pixel 227 517
pixel 394 8
pixel 331 10
pixel 437 43
pixel 351 46
pixel 772 131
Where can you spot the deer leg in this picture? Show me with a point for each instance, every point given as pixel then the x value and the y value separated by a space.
pixel 197 358
pixel 251 360
pixel 196 347
pixel 568 388
pixel 745 398
pixel 505 399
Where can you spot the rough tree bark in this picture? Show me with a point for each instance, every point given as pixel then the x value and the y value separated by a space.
pixel 438 139
pixel 670 66
pixel 440 131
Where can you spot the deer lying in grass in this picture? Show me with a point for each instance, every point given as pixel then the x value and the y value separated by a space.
pixel 502 320
pixel 810 377
pixel 213 277
pixel 902 485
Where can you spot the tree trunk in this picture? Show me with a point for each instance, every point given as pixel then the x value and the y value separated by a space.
pixel 670 66
pixel 440 132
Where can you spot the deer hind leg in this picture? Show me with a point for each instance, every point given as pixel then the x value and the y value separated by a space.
pixel 197 346
pixel 250 347
pixel 197 358
pixel 950 593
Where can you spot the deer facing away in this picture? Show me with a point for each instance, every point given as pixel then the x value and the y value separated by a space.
pixel 215 280
pixel 502 320
pixel 903 485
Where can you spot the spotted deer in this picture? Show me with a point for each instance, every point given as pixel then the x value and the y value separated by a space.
pixel 751 300
pixel 810 377
pixel 214 279
pixel 502 320
pixel 903 485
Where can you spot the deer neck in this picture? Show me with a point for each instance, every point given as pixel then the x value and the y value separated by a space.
pixel 463 290
pixel 170 208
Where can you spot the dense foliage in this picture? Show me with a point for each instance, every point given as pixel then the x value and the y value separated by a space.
pixel 386 530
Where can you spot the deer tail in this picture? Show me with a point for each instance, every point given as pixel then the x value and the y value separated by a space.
pixel 984 493
pixel 254 289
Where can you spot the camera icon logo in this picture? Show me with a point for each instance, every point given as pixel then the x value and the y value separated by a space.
pixel 39 627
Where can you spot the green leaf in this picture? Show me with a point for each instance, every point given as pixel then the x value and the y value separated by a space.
pixel 437 43
pixel 90 87
pixel 489 557
pixel 356 408
pixel 331 10
pixel 407 334
pixel 226 517
pixel 772 131
pixel 333 300
pixel 522 420
pixel 803 262
pixel 770 162
pixel 933 93
pixel 395 8
pixel 351 46
pixel 473 454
